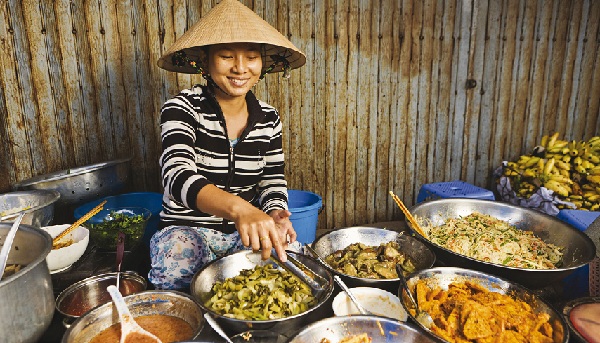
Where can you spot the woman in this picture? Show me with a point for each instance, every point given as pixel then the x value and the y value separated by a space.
pixel 222 162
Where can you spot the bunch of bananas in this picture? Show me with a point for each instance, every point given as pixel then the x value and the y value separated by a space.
pixel 571 169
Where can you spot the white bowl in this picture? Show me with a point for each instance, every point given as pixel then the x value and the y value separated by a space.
pixel 374 300
pixel 61 259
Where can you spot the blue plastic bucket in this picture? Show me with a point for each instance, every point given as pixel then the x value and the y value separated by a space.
pixel 305 207
pixel 149 200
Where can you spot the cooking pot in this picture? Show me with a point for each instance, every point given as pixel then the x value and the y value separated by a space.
pixel 27 299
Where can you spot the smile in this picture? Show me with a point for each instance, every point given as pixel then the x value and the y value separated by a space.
pixel 238 82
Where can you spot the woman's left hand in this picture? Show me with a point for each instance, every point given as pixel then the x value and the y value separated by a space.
pixel 287 234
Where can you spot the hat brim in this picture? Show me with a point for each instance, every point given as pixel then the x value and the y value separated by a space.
pixel 232 22
pixel 295 58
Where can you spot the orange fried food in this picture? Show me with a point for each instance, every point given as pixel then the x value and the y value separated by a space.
pixel 468 312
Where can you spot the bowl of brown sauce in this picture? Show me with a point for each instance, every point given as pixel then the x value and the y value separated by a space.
pixel 170 315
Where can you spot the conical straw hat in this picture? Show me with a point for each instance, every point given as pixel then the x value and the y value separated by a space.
pixel 232 22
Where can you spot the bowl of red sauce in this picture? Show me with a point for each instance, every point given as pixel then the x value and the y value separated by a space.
pixel 172 316
pixel 583 318
pixel 84 295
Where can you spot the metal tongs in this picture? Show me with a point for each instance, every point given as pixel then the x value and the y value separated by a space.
pixel 316 282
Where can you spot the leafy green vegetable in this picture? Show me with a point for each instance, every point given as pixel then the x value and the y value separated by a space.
pixel 105 234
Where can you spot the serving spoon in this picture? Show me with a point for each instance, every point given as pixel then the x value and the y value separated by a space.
pixel 213 324
pixel 421 316
pixel 8 243
pixel 131 331
pixel 345 288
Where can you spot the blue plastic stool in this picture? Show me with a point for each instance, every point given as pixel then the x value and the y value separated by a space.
pixel 577 284
pixel 453 189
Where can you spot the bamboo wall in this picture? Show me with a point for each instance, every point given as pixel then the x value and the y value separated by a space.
pixel 395 94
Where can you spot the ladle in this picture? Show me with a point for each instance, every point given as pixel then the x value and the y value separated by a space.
pixel 352 297
pixel 8 243
pixel 422 317
pixel 130 329
pixel 213 324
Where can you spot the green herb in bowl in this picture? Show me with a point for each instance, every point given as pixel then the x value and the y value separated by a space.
pixel 105 226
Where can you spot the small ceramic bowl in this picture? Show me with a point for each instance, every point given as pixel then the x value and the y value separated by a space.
pixel 374 300
pixel 61 259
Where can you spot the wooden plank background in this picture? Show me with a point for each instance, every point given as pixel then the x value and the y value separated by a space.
pixel 383 102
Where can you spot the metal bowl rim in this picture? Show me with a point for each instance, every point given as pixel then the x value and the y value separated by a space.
pixel 54 197
pixel 369 280
pixel 492 278
pixel 569 306
pixel 507 205
pixel 41 257
pixel 130 275
pixel 130 296
pixel 69 172
pixel 327 295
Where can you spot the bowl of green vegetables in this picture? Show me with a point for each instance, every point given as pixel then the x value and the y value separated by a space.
pixel 105 226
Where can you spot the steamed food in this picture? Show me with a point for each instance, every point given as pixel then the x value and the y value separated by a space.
pixel 373 262
pixel 468 312
pixel 261 293
pixel 489 239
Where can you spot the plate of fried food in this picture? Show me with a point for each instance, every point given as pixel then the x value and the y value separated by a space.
pixel 471 306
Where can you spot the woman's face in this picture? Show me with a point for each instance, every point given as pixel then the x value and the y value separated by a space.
pixel 234 67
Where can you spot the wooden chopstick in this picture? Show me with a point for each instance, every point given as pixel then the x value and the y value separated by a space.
pixel 80 221
pixel 408 215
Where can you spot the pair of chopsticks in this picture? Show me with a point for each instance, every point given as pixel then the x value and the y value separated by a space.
pixel 408 215
pixel 81 220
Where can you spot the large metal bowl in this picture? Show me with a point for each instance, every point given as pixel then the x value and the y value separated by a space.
pixel 443 276
pixel 578 337
pixel 170 303
pixel 231 265
pixel 380 329
pixel 339 239
pixel 38 206
pixel 26 298
pixel 578 251
pixel 82 184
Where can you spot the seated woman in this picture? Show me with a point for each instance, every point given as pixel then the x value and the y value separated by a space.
pixel 222 159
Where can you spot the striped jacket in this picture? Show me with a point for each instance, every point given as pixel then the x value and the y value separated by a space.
pixel 196 152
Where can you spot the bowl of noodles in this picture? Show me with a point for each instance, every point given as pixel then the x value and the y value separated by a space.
pixel 519 244
pixel 68 249
pixel 472 306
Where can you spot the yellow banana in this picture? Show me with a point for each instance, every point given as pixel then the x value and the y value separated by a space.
pixel 594 171
pixel 594 178
pixel 548 166
pixel 531 161
pixel 592 197
pixel 566 158
pixel 561 179
pixel 529 173
pixel 560 144
pixel 575 197
pixel 552 140
pixel 562 165
pixel 588 187
pixel 587 164
pixel 564 173
pixel 580 169
pixel 544 140
pixel 557 187
pixel 577 161
pixel 595 207
pixel 593 158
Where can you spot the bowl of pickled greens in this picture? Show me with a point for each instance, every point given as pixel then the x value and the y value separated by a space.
pixel 242 292
pixel 105 226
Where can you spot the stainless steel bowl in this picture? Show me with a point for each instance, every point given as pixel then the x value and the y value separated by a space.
pixel 339 239
pixel 81 184
pixel 567 314
pixel 380 329
pixel 38 206
pixel 91 292
pixel 231 265
pixel 578 251
pixel 171 303
pixel 443 276
pixel 26 298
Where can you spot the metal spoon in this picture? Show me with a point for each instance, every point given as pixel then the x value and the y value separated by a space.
pixel 421 316
pixel 8 243
pixel 213 324
pixel 352 297
pixel 130 329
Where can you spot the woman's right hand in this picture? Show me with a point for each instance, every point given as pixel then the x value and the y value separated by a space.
pixel 259 231
pixel 256 228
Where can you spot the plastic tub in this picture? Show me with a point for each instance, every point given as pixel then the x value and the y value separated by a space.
pixel 150 200
pixel 305 207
